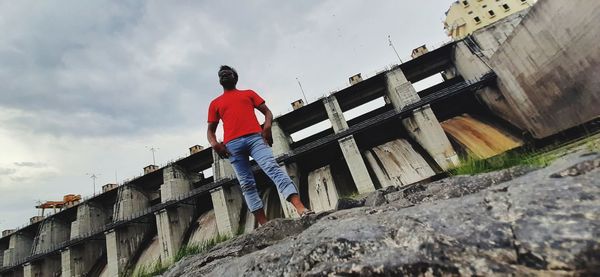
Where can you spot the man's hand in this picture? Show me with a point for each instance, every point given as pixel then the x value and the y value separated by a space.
pixel 267 136
pixel 221 150
pixel 266 132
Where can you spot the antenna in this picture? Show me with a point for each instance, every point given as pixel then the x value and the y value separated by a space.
pixel 301 89
pixel 392 45
pixel 153 150
pixel 93 176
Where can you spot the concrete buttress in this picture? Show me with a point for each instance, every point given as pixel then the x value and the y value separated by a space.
pixel 354 160
pixel 19 247
pixel 173 222
pixel 123 242
pixel 227 200
pixel 281 146
pixel 52 232
pixel 423 125
pixel 78 260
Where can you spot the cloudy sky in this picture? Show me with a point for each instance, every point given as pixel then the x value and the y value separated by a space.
pixel 87 86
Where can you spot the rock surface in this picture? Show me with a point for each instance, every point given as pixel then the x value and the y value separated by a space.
pixel 512 222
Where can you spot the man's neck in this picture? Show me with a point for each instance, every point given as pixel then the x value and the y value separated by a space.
pixel 229 88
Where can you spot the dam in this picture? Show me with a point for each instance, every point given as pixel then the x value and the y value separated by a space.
pixel 504 85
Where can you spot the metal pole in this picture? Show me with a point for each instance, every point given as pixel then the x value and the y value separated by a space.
pixel 392 45
pixel 301 89
pixel 153 149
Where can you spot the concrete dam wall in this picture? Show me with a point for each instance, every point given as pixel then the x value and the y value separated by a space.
pixel 416 135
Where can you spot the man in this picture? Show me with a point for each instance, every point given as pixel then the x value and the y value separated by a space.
pixel 244 137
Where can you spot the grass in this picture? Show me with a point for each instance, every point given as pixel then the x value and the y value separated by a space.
pixel 354 196
pixel 536 158
pixel 471 166
pixel 158 267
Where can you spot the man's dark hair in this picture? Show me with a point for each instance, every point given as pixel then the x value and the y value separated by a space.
pixel 226 67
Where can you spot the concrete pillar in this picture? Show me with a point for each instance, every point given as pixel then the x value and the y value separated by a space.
pixel 52 232
pixel 75 261
pixel 78 260
pixel 31 270
pixel 322 191
pixel 91 218
pixel 422 126
pixel 356 164
pixel 19 247
pixel 352 155
pixel 172 223
pixel 46 267
pixel 227 201
pixel 122 243
pixel 281 146
pixel 335 114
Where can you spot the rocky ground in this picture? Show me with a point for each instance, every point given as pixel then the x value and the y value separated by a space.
pixel 518 221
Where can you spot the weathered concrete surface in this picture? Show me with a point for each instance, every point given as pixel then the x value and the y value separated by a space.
pixel 148 257
pixel 78 260
pixel 227 201
pixel 480 139
pixel 396 163
pixel 534 224
pixel 227 204
pixel 123 243
pixel 19 247
pixel 356 164
pixel 173 222
pixel 548 68
pixel 52 231
pixel 91 217
pixel 322 191
pixel 423 126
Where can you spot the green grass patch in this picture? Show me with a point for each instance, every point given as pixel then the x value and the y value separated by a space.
pixel 472 166
pixel 354 196
pixel 158 267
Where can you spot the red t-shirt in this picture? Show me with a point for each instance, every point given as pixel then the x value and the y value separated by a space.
pixel 236 109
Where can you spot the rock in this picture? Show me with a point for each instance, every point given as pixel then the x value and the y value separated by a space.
pixel 376 198
pixel 477 225
pixel 349 203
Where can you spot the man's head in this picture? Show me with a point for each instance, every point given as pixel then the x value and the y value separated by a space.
pixel 228 77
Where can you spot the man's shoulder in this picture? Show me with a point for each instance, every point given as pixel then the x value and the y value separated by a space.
pixel 246 91
pixel 216 99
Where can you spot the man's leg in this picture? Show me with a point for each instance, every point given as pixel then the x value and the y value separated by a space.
pixel 263 155
pixel 241 166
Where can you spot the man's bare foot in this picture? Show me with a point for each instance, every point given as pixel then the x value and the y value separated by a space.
pixel 295 200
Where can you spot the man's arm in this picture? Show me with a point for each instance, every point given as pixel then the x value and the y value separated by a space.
pixel 266 133
pixel 211 134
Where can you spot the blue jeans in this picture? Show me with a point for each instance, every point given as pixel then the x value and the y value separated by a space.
pixel 253 145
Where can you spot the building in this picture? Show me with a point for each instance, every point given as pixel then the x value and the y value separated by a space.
pixel 466 16
pixel 421 50
pixel 298 104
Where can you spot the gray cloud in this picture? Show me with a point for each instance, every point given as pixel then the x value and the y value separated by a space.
pixel 31 164
pixel 7 171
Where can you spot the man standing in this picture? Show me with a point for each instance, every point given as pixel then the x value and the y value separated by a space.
pixel 244 137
